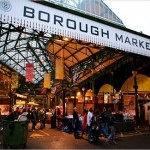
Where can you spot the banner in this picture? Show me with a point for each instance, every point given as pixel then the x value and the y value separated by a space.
pixel 47 80
pixel 40 17
pixel 29 72
pixel 15 80
pixel 59 68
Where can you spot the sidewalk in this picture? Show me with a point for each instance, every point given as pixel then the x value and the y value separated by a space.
pixel 41 139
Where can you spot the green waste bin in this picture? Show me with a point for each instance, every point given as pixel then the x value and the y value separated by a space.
pixel 15 134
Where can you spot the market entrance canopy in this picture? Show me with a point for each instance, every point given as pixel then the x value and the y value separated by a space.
pixel 43 18
pixel 31 29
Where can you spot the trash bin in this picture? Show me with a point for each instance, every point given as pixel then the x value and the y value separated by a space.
pixel 15 134
pixel 53 121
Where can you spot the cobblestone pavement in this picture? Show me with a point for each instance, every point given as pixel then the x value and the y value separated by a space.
pixel 49 138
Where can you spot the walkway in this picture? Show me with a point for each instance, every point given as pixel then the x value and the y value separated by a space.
pixel 49 138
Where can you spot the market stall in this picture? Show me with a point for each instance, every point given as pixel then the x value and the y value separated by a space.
pixel 124 122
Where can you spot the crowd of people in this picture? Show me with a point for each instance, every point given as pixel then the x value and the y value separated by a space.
pixel 94 124
pixel 32 115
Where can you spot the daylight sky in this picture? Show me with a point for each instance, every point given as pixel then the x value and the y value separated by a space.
pixel 135 14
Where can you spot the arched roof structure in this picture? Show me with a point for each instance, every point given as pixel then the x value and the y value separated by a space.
pixel 143 83
pixel 41 31
pixel 107 88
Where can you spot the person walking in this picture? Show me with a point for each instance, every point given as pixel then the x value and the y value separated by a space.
pixel 34 118
pixel 89 127
pixel 42 118
pixel 104 126
pixel 84 123
pixel 111 126
pixel 95 124
pixel 75 122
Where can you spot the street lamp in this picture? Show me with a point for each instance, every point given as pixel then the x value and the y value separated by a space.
pixel 83 89
pixel 135 86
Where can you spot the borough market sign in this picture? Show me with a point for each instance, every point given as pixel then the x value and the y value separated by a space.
pixel 43 18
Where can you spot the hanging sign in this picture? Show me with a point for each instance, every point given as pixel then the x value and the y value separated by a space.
pixel 29 72
pixel 15 80
pixel 47 80
pixel 40 17
pixel 59 68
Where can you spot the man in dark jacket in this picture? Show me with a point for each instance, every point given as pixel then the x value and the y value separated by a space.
pixel 75 122
pixel 104 126
pixel 34 118
pixel 111 126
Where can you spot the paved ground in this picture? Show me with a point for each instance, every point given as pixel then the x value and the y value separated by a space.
pixel 49 138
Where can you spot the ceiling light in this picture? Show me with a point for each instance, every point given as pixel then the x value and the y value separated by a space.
pixel 65 38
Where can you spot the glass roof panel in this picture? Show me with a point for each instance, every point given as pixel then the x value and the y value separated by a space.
pixel 29 46
pixel 96 8
pixel 17 49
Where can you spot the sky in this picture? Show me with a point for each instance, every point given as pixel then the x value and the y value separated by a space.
pixel 135 14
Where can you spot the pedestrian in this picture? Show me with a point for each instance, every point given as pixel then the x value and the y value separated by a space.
pixel 104 126
pixel 84 123
pixel 75 122
pixel 111 127
pixel 89 120
pixel 17 112
pixel 42 118
pixel 148 117
pixel 34 118
pixel 95 124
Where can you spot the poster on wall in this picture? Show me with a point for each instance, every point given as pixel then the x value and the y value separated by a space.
pixel 129 104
